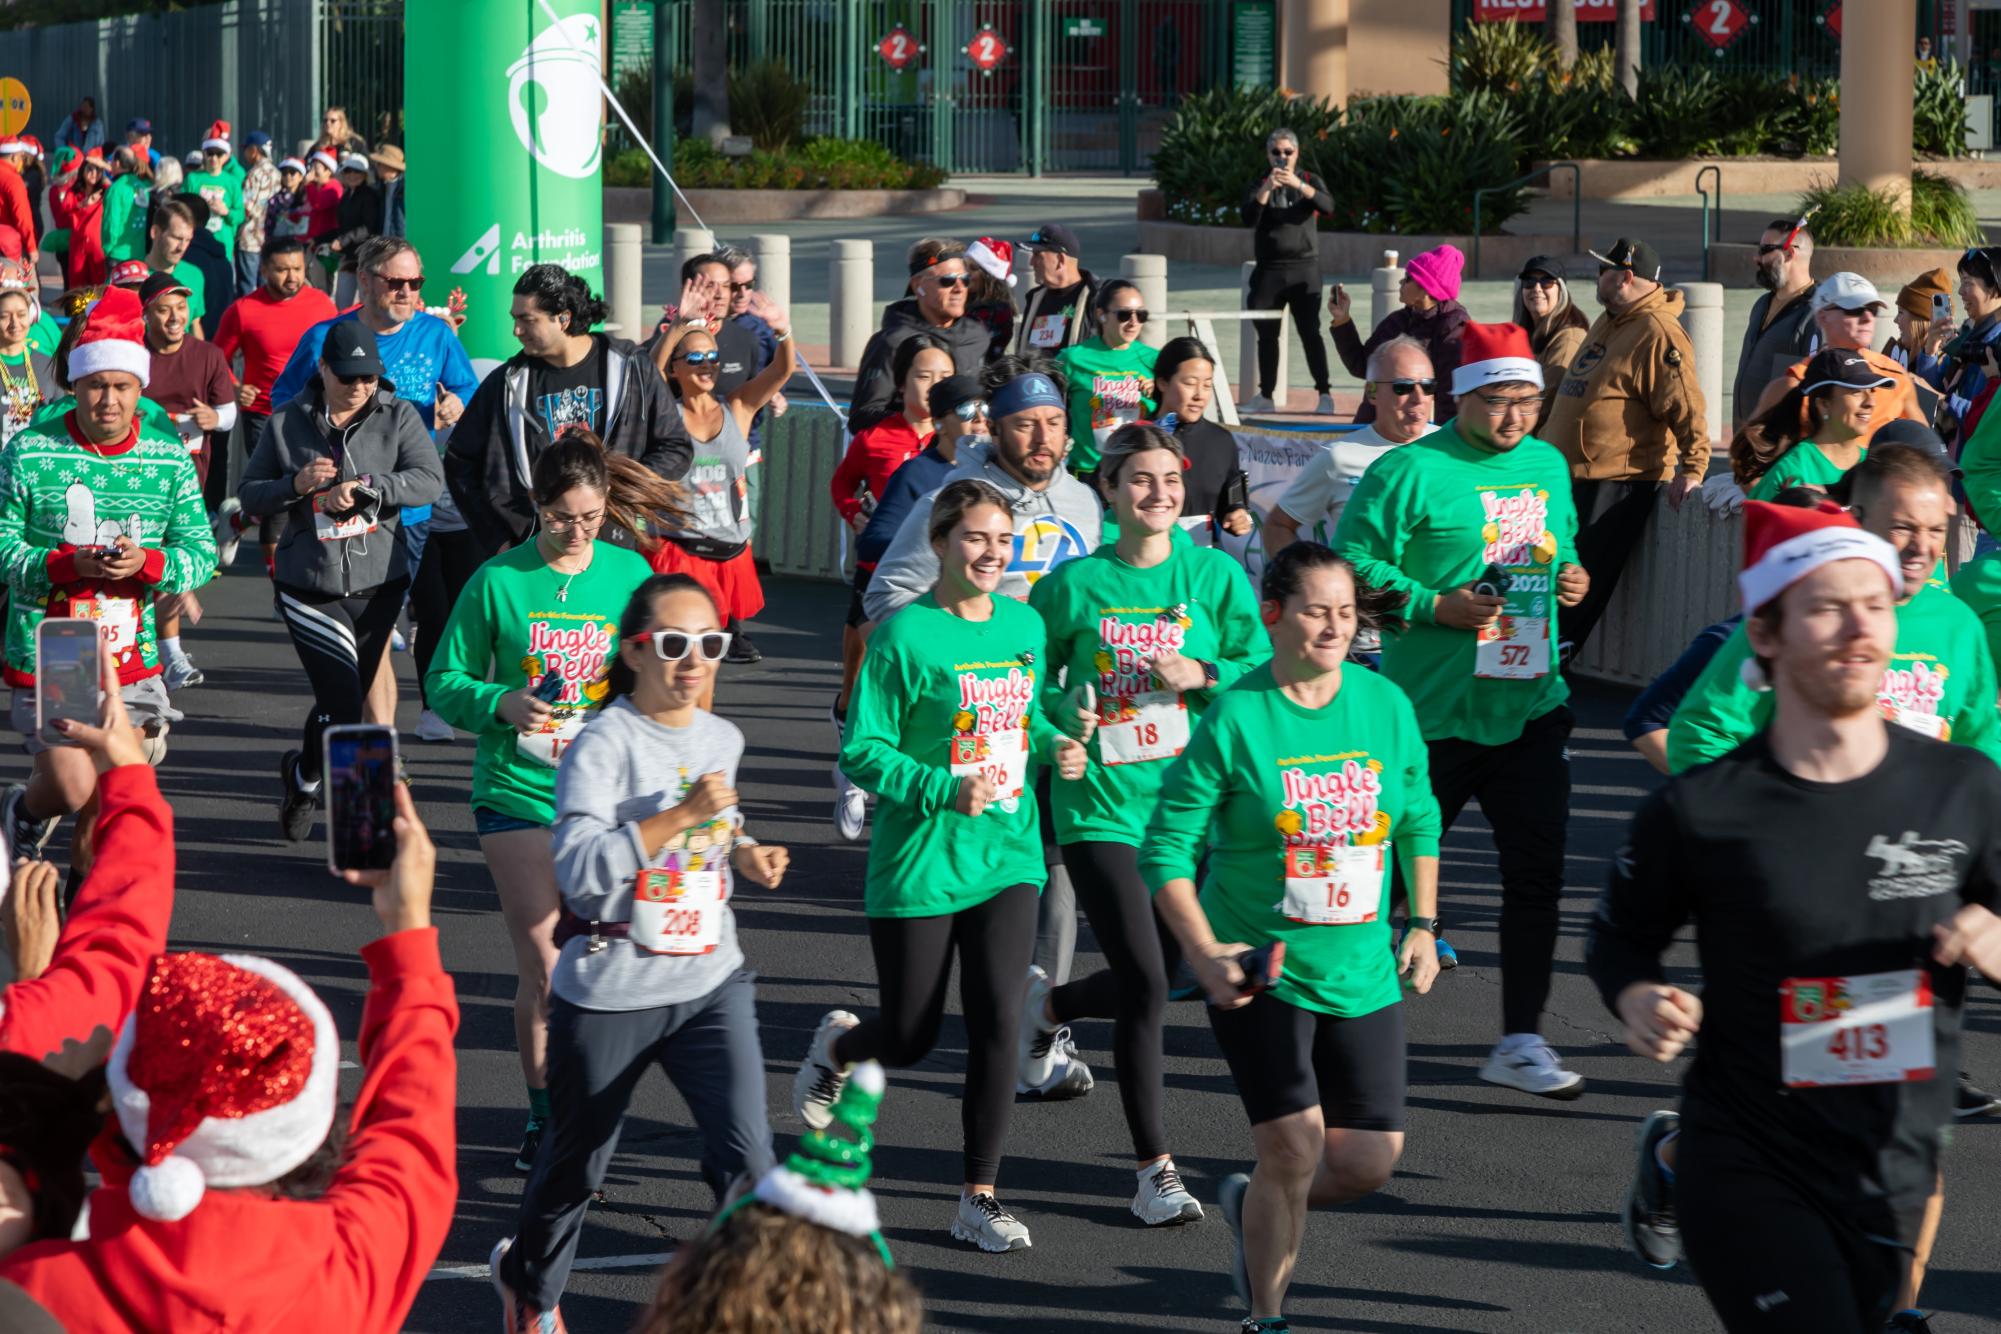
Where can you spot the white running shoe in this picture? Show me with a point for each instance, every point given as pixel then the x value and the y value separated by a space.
pixel 228 529
pixel 1524 1061
pixel 181 673
pixel 430 727
pixel 850 809
pixel 818 1083
pixel 1259 403
pixel 1325 407
pixel 397 642
pixel 1069 1077
pixel 1164 1199
pixel 1037 1052
pixel 983 1222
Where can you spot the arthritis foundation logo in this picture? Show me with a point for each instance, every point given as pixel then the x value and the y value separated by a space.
pixel 554 98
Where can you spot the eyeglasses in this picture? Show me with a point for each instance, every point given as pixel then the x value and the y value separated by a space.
pixel 951 279
pixel 674 645
pixel 1499 409
pixel 971 410
pixel 1769 247
pixel 1544 281
pixel 1131 314
pixel 415 284
pixel 708 358
pixel 573 522
pixel 352 380
pixel 1285 152
pixel 1405 388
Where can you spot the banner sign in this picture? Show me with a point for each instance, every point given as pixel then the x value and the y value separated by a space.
pixel 1537 11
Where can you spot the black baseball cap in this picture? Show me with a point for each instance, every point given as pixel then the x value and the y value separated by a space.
pixel 1548 264
pixel 946 395
pixel 1636 257
pixel 159 285
pixel 1055 236
pixel 1904 431
pixel 350 349
pixel 1844 368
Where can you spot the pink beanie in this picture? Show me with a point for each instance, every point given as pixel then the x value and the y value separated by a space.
pixel 1437 271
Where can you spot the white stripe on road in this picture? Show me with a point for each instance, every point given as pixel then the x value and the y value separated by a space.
pixel 597 1262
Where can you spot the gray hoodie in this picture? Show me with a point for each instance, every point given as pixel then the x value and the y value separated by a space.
pixel 1050 527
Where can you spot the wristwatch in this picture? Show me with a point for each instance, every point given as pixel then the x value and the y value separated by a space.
pixel 1422 924
pixel 1210 676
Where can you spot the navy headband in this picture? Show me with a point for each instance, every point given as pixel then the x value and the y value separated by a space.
pixel 1033 390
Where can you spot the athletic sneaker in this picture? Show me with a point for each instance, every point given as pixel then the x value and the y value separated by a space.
pixel 430 727
pixel 1259 403
pixel 397 643
pixel 1448 958
pixel 1271 1324
pixel 1524 1061
pixel 181 673
pixel 26 837
pixel 741 651
pixel 1972 1100
pixel 531 1144
pixel 296 806
pixel 1036 1054
pixel 517 1316
pixel 1230 1198
pixel 1163 1199
pixel 982 1221
pixel 1068 1077
pixel 228 528
pixel 1325 407
pixel 850 808
pixel 1909 1321
pixel 818 1083
pixel 1651 1225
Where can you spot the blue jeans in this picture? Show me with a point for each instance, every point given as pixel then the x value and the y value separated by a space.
pixel 412 537
pixel 246 271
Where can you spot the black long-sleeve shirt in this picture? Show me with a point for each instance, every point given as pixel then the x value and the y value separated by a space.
pixel 1282 228
pixel 1786 878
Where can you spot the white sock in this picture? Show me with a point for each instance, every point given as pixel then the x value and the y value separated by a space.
pixel 299 780
pixel 170 645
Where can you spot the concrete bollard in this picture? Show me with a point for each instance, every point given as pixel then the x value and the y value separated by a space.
pixel 1247 350
pixel 773 253
pixel 1702 320
pixel 688 243
pixel 1149 273
pixel 621 279
pixel 850 301
pixel 1383 288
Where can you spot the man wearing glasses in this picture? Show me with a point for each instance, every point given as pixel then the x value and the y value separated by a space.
pixel 937 306
pixel 1781 327
pixel 1474 524
pixel 1630 418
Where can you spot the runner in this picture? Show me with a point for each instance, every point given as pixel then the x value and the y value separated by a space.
pixel 27 377
pixel 1218 497
pixel 1474 524
pixel 1110 374
pixel 943 728
pixel 648 841
pixel 547 607
pixel 1299 781
pixel 96 516
pixel 1146 634
pixel 1816 433
pixel 340 460
pixel 1838 873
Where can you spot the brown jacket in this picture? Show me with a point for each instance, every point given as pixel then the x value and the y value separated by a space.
pixel 1630 408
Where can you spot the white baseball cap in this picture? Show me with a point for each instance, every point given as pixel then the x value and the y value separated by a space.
pixel 1849 291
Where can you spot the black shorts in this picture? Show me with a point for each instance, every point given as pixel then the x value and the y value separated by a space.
pixel 862 576
pixel 1285 1060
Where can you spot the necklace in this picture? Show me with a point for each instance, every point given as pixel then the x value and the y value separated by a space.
pixel 563 593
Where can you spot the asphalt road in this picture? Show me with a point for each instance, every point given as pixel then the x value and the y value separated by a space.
pixel 1502 1215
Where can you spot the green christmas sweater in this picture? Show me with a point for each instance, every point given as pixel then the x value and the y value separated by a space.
pixel 228 189
pixel 58 493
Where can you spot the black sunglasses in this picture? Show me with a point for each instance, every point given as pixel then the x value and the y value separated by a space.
pixel 415 284
pixel 352 380
pixel 951 280
pixel 1768 247
pixel 1405 388
pixel 1132 315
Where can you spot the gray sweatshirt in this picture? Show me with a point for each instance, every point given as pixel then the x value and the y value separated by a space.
pixel 622 769
pixel 1051 526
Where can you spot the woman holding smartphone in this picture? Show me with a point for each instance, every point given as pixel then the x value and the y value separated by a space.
pixel 1299 782
pixel 544 615
pixel 943 726
pixel 648 841
pixel 1110 374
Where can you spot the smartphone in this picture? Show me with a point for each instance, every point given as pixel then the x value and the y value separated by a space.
pixel 1941 306
pixel 1494 582
pixel 550 688
pixel 1262 967
pixel 66 675
pixel 360 777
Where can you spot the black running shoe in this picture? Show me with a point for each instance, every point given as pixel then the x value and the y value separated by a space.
pixel 296 807
pixel 26 836
pixel 1651 1225
pixel 742 651
pixel 1909 1322
pixel 531 1144
pixel 1271 1324
pixel 1971 1100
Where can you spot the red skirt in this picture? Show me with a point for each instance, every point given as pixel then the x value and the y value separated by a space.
pixel 733 582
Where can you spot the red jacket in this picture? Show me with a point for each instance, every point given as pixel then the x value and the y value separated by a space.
pixel 15 211
pixel 84 264
pixel 118 923
pixel 349 1262
pixel 872 456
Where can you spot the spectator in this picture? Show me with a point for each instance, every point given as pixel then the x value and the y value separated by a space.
pixel 936 305
pixel 1817 432
pixel 1056 312
pixel 1110 374
pixel 1927 62
pixel 78 207
pixel 323 194
pixel 125 206
pixel 990 295
pixel 211 1212
pixel 260 184
pixel 337 138
pixel 1781 328
pixel 1845 307
pixel 388 163
pixel 1965 378
pixel 34 173
pixel 27 377
pixel 1924 323
pixel 359 214
pixel 1630 418
pixel 1280 208
pixel 221 191
pixel 15 209
pixel 168 175
pixel 1556 326
pixel 168 239
pixel 1430 313
pixel 81 129
pixel 1404 389
pixel 139 138
pixel 218 272
pixel 288 213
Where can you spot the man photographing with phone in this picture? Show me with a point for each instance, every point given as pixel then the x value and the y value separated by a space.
pixel 1280 208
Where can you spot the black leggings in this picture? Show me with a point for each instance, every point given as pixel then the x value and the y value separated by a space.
pixel 448 565
pixel 913 962
pixel 340 642
pixel 1295 287
pixel 1133 990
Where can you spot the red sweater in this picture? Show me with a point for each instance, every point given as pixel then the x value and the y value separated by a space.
pixel 14 210
pixel 324 201
pixel 349 1262
pixel 84 265
pixel 266 330
pixel 118 923
pixel 872 456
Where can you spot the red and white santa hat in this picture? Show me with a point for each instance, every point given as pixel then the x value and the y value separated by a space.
pixel 217 137
pixel 226 1074
pixel 996 257
pixel 322 156
pixel 114 339
pixel 1783 545
pixel 1494 354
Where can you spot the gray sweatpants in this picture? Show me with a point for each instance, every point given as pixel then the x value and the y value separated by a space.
pixel 708 1047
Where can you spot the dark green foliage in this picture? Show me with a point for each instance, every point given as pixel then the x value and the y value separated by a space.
pixel 815 164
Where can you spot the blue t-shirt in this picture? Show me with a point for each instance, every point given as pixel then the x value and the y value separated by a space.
pixel 1654 709
pixel 419 358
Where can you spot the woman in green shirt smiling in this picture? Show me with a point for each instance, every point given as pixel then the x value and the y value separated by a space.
pixel 1838 401
pixel 1110 374
pixel 1300 781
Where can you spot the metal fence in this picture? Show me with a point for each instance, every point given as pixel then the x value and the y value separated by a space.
pixel 361 65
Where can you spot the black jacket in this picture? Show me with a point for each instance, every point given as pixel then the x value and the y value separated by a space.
pixel 356 217
pixel 1041 303
pixel 495 444
pixel 874 385
pixel 1282 228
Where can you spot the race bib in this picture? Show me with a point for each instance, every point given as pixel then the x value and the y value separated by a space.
pixel 1513 649
pixel 117 619
pixel 546 744
pixel 1872 1029
pixel 1048 330
pixel 1200 531
pixel 1912 695
pixel 677 912
pixel 1135 729
pixel 999 757
pixel 329 529
pixel 1518 539
pixel 1333 886
pixel 191 435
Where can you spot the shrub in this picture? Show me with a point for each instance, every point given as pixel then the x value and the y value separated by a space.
pixel 1938 112
pixel 815 164
pixel 1499 57
pixel 1940 215
pixel 769 105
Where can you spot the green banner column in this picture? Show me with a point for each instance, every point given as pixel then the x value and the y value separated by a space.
pixel 505 145
pixel 666 46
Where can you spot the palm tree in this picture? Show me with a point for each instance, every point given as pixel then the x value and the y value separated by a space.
pixel 1562 24
pixel 710 60
pixel 1627 41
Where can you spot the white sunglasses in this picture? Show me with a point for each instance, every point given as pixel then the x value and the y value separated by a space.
pixel 674 645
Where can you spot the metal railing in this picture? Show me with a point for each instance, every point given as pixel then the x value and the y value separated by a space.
pixel 1712 226
pixel 1576 204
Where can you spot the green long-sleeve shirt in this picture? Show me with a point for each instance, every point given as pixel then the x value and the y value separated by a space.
pixel 940 697
pixel 1268 787
pixel 1978 584
pixel 1802 465
pixel 229 190
pixel 1432 516
pixel 1106 618
pixel 1106 392
pixel 527 620
pixel 123 226
pixel 1940 682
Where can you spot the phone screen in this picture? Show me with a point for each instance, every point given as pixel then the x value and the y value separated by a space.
pixel 361 798
pixel 66 681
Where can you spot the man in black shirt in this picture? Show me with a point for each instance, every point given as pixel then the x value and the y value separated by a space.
pixel 1056 311
pixel 1840 874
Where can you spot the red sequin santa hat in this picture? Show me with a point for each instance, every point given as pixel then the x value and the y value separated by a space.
pixel 217 137
pixel 1494 354
pixel 226 1074
pixel 114 340
pixel 996 257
